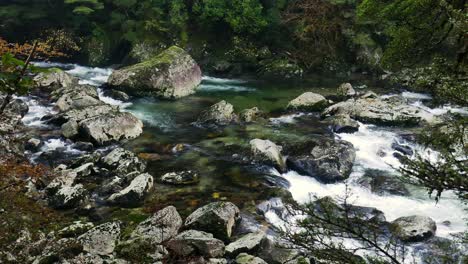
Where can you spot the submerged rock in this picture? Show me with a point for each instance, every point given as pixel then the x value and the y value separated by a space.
pixel 267 151
pixel 218 218
pixel 193 242
pixel 170 75
pixel 414 228
pixel 308 102
pixel 110 128
pixel 181 178
pixel 219 114
pixel 328 160
pixel 160 227
pixel 134 193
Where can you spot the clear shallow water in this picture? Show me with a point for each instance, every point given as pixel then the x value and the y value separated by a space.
pixel 167 123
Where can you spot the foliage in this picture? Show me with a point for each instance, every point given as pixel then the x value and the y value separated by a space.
pixel 417 29
pixel 448 171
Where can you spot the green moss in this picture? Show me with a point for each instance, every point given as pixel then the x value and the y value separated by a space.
pixel 161 60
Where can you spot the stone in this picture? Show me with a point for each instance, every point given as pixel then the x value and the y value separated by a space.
pixel 122 162
pixel 275 252
pixel 75 229
pixel 134 194
pixel 244 258
pixel 180 178
pixel 55 79
pixel 194 242
pixel 109 128
pixel 219 114
pixel 346 90
pixel 250 115
pixel 269 152
pixel 102 239
pixel 116 94
pixel 218 218
pixel 76 99
pixel 383 183
pixel 160 227
pixel 328 161
pixel 33 144
pixel 70 129
pixel 249 243
pixel 342 124
pixel 414 228
pixel 81 114
pixel 308 102
pixel 171 74
pixel 68 197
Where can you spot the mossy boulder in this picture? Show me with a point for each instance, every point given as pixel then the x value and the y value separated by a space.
pixel 171 74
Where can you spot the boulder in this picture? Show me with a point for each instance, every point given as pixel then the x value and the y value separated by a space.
pixel 160 227
pixel 105 129
pixel 342 124
pixel 116 94
pixel 81 114
pixel 308 102
pixel 33 144
pixel 180 178
pixel 276 252
pixel 414 228
pixel 218 218
pixel 244 258
pixel 219 114
pixel 102 239
pixel 170 75
pixel 141 250
pixel 55 79
pixel 249 243
pixel 122 162
pixel 382 110
pixel 133 194
pixel 327 160
pixel 346 90
pixel 70 129
pixel 75 229
pixel 77 99
pixel 193 242
pixel 382 183
pixel 68 197
pixel 269 152
pixel 250 115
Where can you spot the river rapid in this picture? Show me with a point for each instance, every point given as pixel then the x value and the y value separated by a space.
pixel 167 127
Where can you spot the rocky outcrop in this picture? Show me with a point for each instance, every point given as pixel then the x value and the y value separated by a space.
pixel 308 102
pixel 109 128
pixel 102 239
pixel 219 114
pixel 218 218
pixel 170 75
pixel 382 110
pixel 327 160
pixel 198 243
pixel 268 152
pixel 160 227
pixel 133 194
pixel 180 178
pixel 414 228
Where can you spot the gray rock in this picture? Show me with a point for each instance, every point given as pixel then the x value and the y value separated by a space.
pixel 217 261
pixel 329 161
pixel 171 74
pixel 308 102
pixel 68 197
pixel 102 239
pixel 414 228
pixel 133 194
pixel 219 114
pixel 119 95
pixel 193 242
pixel 267 151
pixel 77 99
pixel 122 162
pixel 382 183
pixel 33 144
pixel 244 258
pixel 342 124
pixel 81 114
pixel 181 178
pixel 250 115
pixel 160 227
pixel 218 218
pixel 383 110
pixel 279 253
pixel 346 90
pixel 110 128
pixel 70 129
pixel 55 79
pixel 75 229
pixel 249 243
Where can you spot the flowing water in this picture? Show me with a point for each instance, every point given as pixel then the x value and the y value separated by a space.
pixel 217 155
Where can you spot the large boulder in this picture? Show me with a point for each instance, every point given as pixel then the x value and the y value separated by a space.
pixel 68 197
pixel 218 218
pixel 249 243
pixel 193 242
pixel 269 152
pixel 383 110
pixel 122 161
pixel 171 74
pixel 308 102
pixel 346 90
pixel 326 160
pixel 102 239
pixel 342 124
pixel 109 128
pixel 160 227
pixel 77 98
pixel 414 228
pixel 81 114
pixel 133 194
pixel 55 79
pixel 219 114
